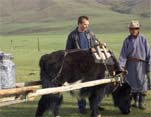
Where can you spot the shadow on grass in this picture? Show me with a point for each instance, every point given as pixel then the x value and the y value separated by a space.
pixel 68 109
pixel 19 110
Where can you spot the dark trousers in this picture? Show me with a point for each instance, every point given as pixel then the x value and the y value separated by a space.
pixel 139 97
pixel 81 104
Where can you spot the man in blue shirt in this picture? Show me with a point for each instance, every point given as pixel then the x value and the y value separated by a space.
pixel 81 38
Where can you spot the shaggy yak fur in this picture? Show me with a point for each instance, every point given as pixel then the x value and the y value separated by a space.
pixel 59 67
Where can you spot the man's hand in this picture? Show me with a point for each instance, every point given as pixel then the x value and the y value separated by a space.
pixel 93 50
pixel 149 80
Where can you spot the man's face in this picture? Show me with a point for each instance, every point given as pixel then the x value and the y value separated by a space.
pixel 84 25
pixel 134 31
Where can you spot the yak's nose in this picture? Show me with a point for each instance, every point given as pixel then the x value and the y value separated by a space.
pixel 126 112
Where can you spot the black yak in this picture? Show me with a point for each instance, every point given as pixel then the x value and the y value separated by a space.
pixel 122 98
pixel 70 66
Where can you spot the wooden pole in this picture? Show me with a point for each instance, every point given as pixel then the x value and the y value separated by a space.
pixel 28 83
pixel 71 87
pixel 12 102
pixel 8 92
pixel 35 92
pixel 39 92
pixel 5 99
pixel 29 92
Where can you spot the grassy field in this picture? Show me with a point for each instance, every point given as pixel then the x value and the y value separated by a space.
pixel 26 57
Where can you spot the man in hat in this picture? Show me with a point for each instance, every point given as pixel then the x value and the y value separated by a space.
pixel 136 58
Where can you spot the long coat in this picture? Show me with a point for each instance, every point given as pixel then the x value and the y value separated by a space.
pixel 136 48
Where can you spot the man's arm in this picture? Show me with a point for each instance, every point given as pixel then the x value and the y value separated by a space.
pixel 123 55
pixel 148 60
pixel 149 80
pixel 69 43
pixel 148 56
pixel 91 39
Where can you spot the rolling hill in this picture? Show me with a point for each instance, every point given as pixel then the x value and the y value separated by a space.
pixel 59 16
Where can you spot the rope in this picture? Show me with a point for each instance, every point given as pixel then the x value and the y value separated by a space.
pixel 60 70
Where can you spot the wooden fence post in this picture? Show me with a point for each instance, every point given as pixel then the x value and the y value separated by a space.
pixel 11 44
pixel 38 44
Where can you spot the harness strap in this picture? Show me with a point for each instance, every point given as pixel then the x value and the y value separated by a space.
pixel 77 43
pixel 60 70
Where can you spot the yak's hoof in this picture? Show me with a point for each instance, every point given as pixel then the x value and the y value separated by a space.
pixel 101 108
pixel 83 111
pixel 98 115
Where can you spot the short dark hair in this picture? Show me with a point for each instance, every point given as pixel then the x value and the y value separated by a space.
pixel 80 19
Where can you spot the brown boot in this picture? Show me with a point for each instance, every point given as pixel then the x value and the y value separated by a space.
pixel 135 97
pixel 142 106
pixel 135 104
pixel 141 101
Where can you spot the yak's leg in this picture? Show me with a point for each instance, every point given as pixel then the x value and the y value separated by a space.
pixel 56 111
pixel 52 102
pixel 102 95
pixel 94 100
pixel 94 106
pixel 56 108
pixel 41 107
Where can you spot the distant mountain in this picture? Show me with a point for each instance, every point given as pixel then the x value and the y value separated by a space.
pixel 138 7
pixel 39 16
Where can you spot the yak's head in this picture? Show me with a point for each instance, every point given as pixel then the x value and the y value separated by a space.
pixel 112 66
pixel 122 98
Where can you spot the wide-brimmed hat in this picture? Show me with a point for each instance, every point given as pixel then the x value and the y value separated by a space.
pixel 134 24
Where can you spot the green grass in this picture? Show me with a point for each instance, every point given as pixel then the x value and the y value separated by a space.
pixel 26 54
pixel 69 109
pixel 26 58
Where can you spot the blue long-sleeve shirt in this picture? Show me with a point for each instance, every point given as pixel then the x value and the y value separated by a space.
pixel 83 40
